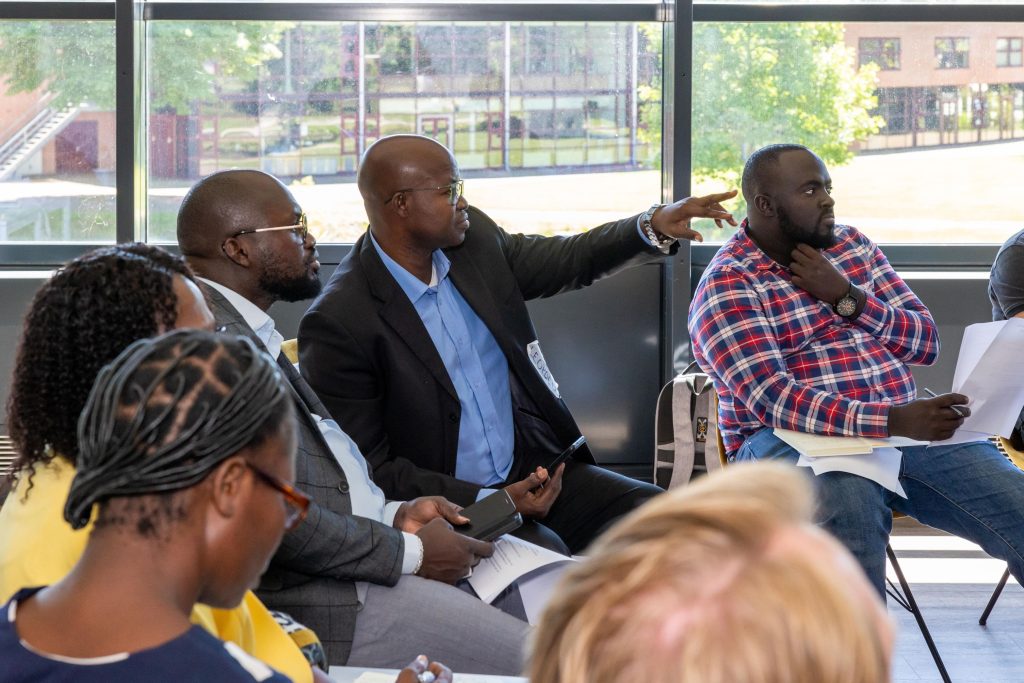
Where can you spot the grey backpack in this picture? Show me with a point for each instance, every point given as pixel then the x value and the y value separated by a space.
pixel 686 429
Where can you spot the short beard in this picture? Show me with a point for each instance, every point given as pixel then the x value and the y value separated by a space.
pixel 291 289
pixel 801 236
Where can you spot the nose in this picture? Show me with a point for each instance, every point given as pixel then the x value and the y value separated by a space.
pixel 310 241
pixel 829 201
pixel 461 203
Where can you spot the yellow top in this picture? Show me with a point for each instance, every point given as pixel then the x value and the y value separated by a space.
pixel 38 548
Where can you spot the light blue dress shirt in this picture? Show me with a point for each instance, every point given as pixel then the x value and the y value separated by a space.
pixel 476 365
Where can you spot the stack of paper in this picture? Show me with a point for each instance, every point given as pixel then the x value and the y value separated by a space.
pixel 819 445
pixel 990 374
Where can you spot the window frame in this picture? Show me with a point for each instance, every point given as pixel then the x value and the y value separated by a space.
pixel 874 56
pixel 1009 52
pixel 940 56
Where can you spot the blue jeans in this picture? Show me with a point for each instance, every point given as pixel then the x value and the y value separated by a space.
pixel 969 489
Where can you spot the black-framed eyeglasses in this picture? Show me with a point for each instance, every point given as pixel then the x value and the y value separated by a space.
pixel 296 502
pixel 454 191
pixel 301 228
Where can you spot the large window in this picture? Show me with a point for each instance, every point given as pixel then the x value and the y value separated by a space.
pixel 556 126
pixel 554 110
pixel 57 131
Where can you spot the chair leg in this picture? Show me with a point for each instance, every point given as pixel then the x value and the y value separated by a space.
pixel 907 601
pixel 995 596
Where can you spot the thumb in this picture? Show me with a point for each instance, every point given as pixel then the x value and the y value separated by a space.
pixel 452 512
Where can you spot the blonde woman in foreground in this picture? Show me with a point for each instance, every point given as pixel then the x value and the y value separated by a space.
pixel 724 581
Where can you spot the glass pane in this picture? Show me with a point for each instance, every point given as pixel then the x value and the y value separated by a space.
pixel 556 127
pixel 57 145
pixel 920 124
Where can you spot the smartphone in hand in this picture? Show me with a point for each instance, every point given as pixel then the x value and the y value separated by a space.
pixel 491 517
pixel 566 454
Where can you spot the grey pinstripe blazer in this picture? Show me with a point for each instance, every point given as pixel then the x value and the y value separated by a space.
pixel 312 576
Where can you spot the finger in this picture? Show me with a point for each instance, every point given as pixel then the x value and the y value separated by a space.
pixel 690 234
pixel 542 473
pixel 441 672
pixel 708 212
pixel 451 513
pixel 807 251
pixel 718 197
pixel 558 474
pixel 419 665
pixel 718 223
pixel 955 399
pixel 479 548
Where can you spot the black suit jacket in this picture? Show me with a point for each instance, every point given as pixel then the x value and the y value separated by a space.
pixel 312 575
pixel 367 354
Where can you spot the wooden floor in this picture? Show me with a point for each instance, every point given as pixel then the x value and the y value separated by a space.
pixel 952 581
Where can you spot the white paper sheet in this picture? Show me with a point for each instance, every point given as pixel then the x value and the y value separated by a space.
pixel 537 588
pixel 990 374
pixel 881 465
pixel 820 445
pixel 512 559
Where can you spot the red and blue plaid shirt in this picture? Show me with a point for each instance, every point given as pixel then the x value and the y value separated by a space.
pixel 781 358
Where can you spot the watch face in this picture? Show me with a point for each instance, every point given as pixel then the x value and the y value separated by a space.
pixel 846 306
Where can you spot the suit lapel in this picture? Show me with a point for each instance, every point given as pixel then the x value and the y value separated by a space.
pixel 480 297
pixel 305 398
pixel 398 312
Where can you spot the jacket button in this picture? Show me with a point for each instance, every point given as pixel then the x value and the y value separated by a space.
pixel 452 417
pixel 343 486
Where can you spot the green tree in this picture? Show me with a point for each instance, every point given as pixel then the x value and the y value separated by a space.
pixel 757 84
pixel 75 60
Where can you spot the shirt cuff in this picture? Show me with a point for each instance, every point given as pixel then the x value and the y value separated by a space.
pixel 390 510
pixel 483 493
pixel 871 420
pixel 413 553
pixel 663 248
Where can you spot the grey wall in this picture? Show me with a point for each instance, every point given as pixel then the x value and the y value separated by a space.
pixel 602 346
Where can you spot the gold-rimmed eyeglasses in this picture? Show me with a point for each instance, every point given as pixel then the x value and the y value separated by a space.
pixel 301 228
pixel 296 502
pixel 454 191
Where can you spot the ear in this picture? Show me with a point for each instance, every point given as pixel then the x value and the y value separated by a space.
pixel 230 486
pixel 764 205
pixel 237 252
pixel 401 204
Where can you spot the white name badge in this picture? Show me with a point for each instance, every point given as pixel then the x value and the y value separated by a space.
pixel 541 365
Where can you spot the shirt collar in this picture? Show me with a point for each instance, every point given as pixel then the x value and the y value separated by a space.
pixel 255 317
pixel 749 249
pixel 413 287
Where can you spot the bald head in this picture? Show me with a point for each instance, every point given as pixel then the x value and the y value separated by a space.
pixel 223 203
pixel 400 161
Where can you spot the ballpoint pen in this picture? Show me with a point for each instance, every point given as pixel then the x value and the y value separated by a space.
pixel 956 409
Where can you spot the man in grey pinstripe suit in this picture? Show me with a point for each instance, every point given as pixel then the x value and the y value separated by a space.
pixel 369 576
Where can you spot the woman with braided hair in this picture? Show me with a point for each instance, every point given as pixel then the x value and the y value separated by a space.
pixel 185 447
pixel 79 321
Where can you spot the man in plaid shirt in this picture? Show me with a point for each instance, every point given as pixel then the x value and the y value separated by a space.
pixel 803 325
